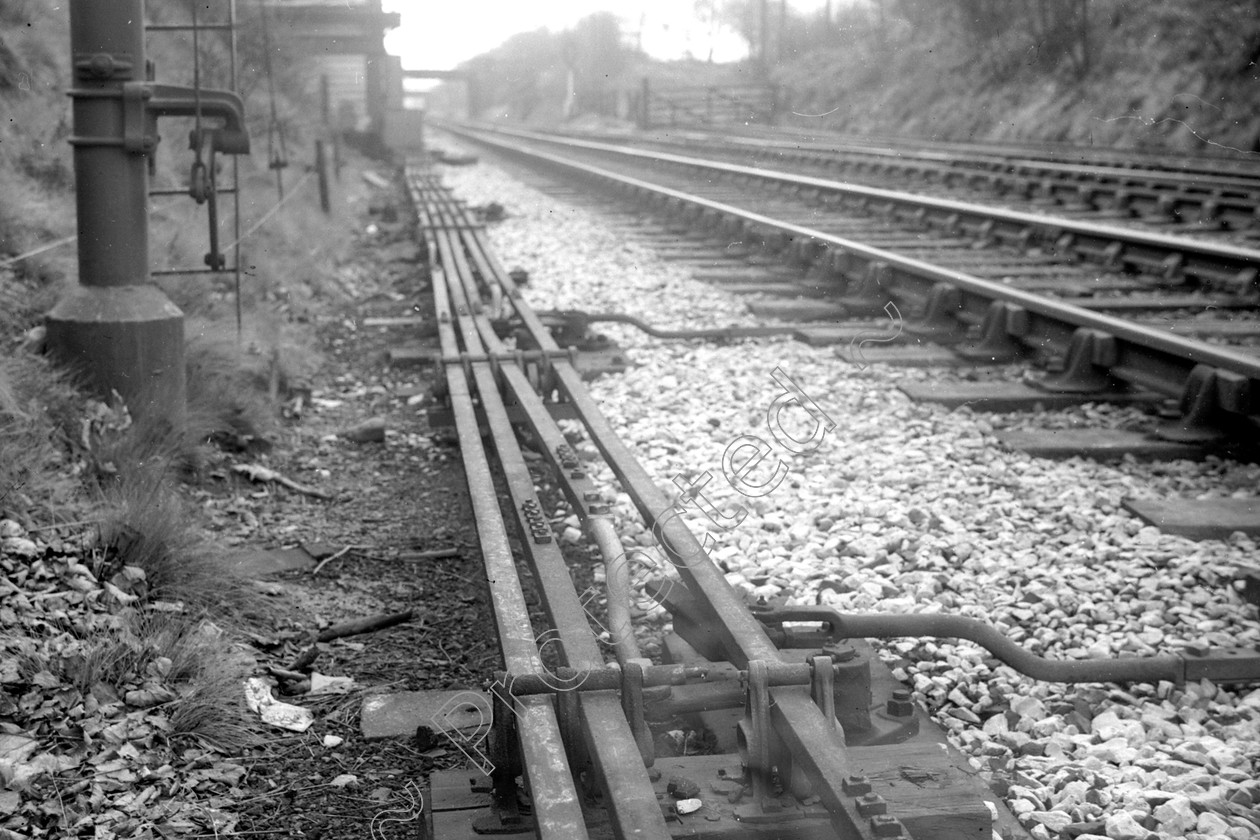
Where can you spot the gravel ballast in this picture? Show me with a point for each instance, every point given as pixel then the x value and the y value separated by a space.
pixel 910 508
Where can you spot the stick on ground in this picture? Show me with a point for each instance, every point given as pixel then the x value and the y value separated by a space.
pixel 364 625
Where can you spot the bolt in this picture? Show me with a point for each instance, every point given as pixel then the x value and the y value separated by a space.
pixel 900 705
pixel 576 473
pixel 883 825
pixel 599 509
pixel 1197 649
pixel 856 785
pixel 839 653
pixel 871 804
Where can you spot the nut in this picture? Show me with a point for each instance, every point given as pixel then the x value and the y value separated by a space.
pixel 900 704
pixel 856 785
pixel 885 826
pixel 871 804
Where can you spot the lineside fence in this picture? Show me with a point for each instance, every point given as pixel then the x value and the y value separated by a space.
pixel 658 106
pixel 711 105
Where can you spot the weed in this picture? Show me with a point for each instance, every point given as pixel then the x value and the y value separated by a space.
pixel 228 384
pixel 169 655
pixel 35 401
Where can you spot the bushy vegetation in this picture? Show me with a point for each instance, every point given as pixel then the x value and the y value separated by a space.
pixel 1159 73
pixel 100 488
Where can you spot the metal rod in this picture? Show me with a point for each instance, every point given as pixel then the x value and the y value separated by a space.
pixel 184 192
pixel 557 808
pixel 633 806
pixel 321 167
pixel 796 718
pixel 172 272
pixel 234 84
pixel 874 626
pixel 188 27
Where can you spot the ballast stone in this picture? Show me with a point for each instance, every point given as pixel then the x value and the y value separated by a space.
pixel 1123 826
pixel 1044 548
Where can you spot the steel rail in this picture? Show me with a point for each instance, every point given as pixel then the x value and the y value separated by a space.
pixel 1136 159
pixel 556 802
pixel 816 743
pixel 543 426
pixel 1144 356
pixel 963 163
pixel 1199 257
pixel 629 796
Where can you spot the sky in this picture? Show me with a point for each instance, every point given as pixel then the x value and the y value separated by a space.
pixel 439 34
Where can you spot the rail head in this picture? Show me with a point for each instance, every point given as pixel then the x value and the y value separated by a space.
pixel 1156 358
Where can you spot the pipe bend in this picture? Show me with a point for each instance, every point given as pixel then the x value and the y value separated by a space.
pixel 184 101
pixel 877 626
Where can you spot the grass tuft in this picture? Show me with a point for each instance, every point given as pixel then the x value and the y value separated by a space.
pixel 185 660
pixel 233 384
pixel 147 524
pixel 36 403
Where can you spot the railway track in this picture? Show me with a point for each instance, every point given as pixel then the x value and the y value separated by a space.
pixel 816 736
pixel 1199 196
pixel 1110 313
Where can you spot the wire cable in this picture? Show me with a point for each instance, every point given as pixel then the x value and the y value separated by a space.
pixel 57 243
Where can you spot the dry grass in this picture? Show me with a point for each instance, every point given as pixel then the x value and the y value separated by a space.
pixel 36 403
pixel 66 458
pixel 235 383
pixel 190 659
pixel 146 523
pixel 213 711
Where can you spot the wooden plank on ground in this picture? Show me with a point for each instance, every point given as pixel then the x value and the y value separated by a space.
pixel 906 355
pixel 1006 396
pixel 793 310
pixel 1198 519
pixel 1099 444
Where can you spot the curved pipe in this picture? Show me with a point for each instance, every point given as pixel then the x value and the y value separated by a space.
pixel 181 101
pixel 617 581
pixel 876 626
pixel 718 333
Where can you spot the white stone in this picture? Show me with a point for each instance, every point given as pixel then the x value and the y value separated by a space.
pixel 920 510
pixel 1056 821
pixel 1212 825
pixel 1123 826
pixel 1176 816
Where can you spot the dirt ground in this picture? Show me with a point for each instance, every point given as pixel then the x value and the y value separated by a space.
pixel 392 501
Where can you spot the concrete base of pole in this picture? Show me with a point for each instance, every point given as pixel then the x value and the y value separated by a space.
pixel 128 339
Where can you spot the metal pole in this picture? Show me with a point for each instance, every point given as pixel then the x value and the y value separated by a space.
pixel 321 171
pixel 234 84
pixel 645 105
pixel 115 326
pixel 325 107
